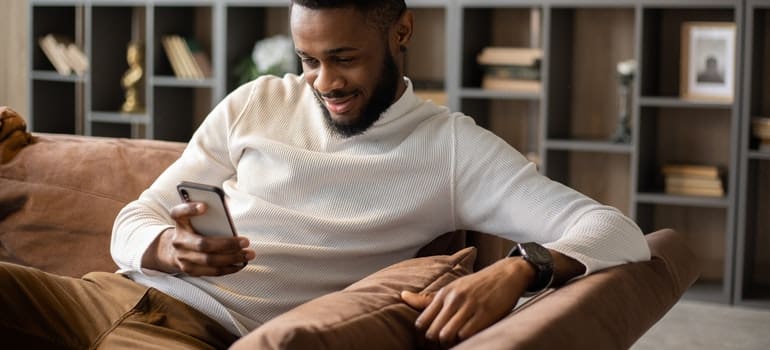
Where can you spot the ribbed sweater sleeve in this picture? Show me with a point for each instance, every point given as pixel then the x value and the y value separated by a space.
pixel 498 191
pixel 205 160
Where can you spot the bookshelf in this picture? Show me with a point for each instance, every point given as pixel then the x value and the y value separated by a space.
pixel 567 126
pixel 752 280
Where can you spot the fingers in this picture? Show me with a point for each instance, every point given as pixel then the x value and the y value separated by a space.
pixel 427 316
pixel 416 300
pixel 454 312
pixel 198 255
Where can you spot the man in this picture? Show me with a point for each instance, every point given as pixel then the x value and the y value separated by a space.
pixel 342 171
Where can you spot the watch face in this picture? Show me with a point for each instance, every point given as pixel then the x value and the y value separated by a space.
pixel 536 253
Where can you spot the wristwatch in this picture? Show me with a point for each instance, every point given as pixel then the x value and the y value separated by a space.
pixel 540 258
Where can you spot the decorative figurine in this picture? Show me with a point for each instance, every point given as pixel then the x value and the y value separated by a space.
pixel 133 78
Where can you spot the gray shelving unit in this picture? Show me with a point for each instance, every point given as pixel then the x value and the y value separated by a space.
pixel 752 280
pixel 567 125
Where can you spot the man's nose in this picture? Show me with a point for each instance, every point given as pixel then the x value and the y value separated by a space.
pixel 328 80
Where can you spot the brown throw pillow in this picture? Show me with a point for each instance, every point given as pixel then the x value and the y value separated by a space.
pixel 368 314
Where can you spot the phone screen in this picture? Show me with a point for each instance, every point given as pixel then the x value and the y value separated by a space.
pixel 216 220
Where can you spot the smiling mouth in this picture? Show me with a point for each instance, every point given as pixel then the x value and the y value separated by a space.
pixel 340 105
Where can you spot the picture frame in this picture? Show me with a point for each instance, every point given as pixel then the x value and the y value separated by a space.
pixel 708 61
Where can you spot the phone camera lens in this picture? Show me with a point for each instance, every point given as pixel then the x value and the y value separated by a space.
pixel 185 195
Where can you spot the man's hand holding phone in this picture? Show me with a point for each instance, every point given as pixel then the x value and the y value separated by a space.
pixel 183 249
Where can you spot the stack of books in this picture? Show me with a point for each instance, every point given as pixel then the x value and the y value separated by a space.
pixel 696 180
pixel 187 59
pixel 64 55
pixel 511 68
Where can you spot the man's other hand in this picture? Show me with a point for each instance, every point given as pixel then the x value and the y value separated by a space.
pixel 182 250
pixel 471 303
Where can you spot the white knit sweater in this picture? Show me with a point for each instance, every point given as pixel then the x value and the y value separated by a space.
pixel 322 211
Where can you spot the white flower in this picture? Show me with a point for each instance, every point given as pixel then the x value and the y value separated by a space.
pixel 627 67
pixel 274 52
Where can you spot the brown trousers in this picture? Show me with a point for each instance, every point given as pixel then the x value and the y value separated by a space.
pixel 99 311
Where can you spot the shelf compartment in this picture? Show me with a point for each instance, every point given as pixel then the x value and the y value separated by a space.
pixel 495 26
pixel 56 110
pixel 755 278
pixel 190 22
pixel 583 87
pixel 515 121
pixel 62 20
pixel 425 61
pixel 703 229
pixel 600 175
pixel 661 45
pixel 113 29
pixel 262 22
pixel 112 130
pixel 758 72
pixel 682 136
pixel 180 114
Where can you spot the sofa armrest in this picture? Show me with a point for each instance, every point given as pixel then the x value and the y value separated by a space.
pixel 610 309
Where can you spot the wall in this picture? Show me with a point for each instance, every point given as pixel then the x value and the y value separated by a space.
pixel 13 55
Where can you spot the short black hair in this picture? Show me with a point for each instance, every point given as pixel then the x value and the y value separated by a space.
pixel 380 13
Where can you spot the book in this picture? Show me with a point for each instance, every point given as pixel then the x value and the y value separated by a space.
pixel 679 181
pixel 194 72
pixel 55 54
pixel 181 64
pixel 707 171
pixel 64 55
pixel 77 59
pixel 696 191
pixel 503 56
pixel 200 58
pixel 513 72
pixel 514 85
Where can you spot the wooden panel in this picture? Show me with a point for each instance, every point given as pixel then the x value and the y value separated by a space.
pixel 510 119
pixel 603 177
pixel 14 58
pixel 761 237
pixel 602 38
pixel 703 229
pixel 511 27
pixel 694 136
pixel 764 79
pixel 426 58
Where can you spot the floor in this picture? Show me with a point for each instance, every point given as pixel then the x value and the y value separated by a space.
pixel 706 326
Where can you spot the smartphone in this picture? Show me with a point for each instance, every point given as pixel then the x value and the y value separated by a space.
pixel 216 221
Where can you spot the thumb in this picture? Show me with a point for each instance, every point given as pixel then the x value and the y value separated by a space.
pixel 416 300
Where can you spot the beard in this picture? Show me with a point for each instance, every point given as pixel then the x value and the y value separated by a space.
pixel 382 97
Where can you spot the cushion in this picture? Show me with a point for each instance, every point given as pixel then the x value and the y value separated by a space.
pixel 65 192
pixel 368 314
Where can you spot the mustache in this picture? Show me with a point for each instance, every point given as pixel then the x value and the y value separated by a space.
pixel 334 94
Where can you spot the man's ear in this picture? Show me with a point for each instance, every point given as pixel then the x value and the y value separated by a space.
pixel 402 32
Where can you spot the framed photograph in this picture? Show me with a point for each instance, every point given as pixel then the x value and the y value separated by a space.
pixel 708 61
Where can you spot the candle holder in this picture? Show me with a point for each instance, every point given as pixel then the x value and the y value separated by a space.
pixel 626 71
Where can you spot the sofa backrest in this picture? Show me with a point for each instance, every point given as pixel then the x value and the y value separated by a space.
pixel 60 196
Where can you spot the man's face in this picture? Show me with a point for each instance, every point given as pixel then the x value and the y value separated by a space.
pixel 348 65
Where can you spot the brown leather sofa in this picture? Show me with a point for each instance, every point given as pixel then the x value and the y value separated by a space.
pixel 59 196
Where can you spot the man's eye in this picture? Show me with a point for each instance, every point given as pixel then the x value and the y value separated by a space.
pixel 309 61
pixel 345 59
